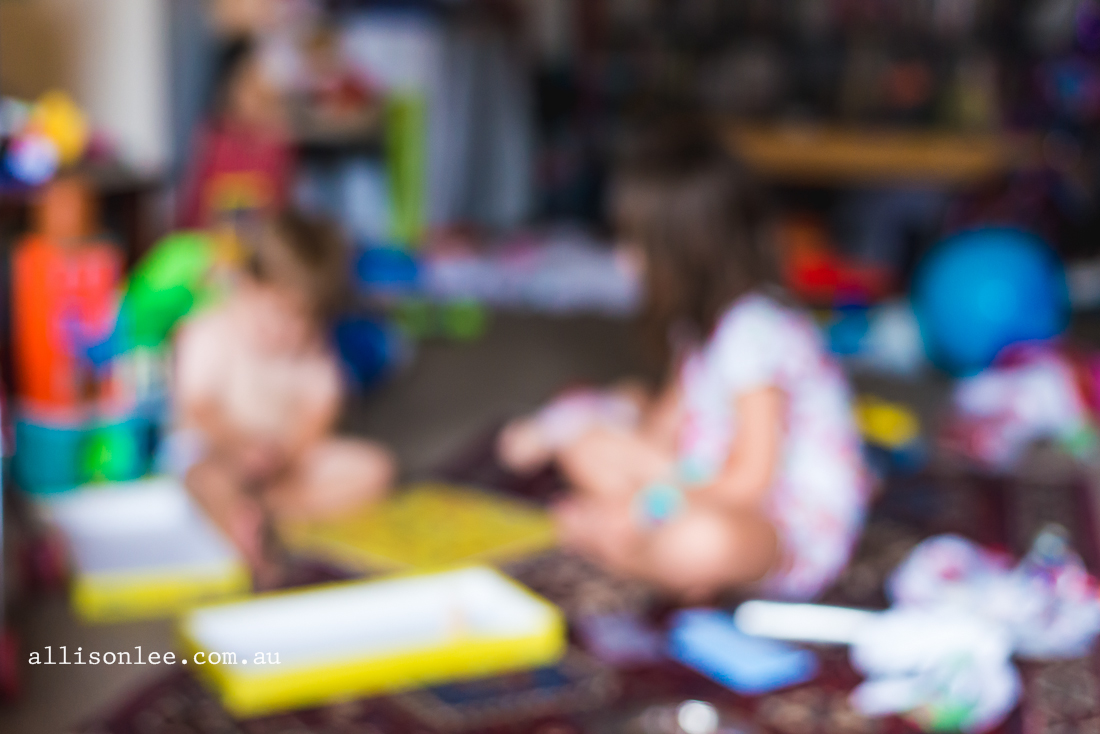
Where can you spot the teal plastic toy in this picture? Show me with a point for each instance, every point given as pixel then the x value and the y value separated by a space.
pixel 57 458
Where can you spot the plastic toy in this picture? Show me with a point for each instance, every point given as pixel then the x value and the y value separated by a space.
pixel 113 453
pixel 143 550
pixel 181 273
pixel 370 348
pixel 942 654
pixel 884 338
pixel 428 526
pixel 817 274
pixel 559 272
pixel 416 317
pixel 351 640
pixel 708 641
pixel 387 271
pixel 56 117
pixel 982 290
pixel 73 422
pixel 891 433
pixel 57 457
pixel 50 134
pixel 174 278
pixel 32 159
pixel 48 456
pixel 1032 393
pixel 64 294
pixel 942 671
pixel 463 320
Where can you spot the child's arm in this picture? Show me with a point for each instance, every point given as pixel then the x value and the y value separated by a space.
pixel 748 472
pixel 662 418
pixel 199 365
pixel 317 405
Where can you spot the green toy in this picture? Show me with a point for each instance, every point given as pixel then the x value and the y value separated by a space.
pixel 111 454
pixel 463 321
pixel 173 279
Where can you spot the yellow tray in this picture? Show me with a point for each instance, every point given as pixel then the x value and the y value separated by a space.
pixel 428 526
pixel 141 550
pixel 305 648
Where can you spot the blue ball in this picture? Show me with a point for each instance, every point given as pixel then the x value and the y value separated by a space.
pixel 980 291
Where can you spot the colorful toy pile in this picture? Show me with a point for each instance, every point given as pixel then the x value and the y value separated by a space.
pixel 942 654
pixel 1036 392
pixel 73 422
pixel 42 137
pixel 91 359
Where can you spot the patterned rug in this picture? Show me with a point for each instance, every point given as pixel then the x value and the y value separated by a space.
pixel 582 696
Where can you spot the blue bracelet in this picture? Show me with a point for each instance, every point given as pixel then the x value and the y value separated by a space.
pixel 694 472
pixel 659 502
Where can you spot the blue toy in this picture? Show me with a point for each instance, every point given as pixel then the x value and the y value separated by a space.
pixel 370 348
pixel 980 291
pixel 385 270
pixel 708 641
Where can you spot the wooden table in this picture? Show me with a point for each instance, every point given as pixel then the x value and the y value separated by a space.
pixel 836 155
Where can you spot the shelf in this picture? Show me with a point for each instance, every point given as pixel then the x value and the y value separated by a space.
pixel 847 156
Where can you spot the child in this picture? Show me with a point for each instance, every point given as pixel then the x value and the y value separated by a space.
pixel 257 392
pixel 243 159
pixel 746 471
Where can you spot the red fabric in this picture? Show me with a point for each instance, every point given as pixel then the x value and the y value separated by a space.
pixel 236 167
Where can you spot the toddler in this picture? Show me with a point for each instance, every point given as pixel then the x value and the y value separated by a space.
pixel 746 471
pixel 258 390
pixel 243 160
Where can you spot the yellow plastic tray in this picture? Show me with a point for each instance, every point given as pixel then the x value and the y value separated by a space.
pixel 428 526
pixel 106 598
pixel 350 640
pixel 142 550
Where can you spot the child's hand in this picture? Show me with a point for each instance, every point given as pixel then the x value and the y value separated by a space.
pixel 522 447
pixel 613 465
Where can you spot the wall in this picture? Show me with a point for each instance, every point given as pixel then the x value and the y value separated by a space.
pixel 111 55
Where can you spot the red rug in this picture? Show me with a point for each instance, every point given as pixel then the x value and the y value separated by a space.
pixel 590 698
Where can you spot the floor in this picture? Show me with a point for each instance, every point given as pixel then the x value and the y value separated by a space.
pixel 449 393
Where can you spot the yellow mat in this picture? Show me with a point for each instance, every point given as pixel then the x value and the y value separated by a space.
pixel 428 526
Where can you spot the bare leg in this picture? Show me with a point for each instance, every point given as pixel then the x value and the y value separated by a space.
pixel 223 493
pixel 694 556
pixel 336 475
pixel 705 550
pixel 613 463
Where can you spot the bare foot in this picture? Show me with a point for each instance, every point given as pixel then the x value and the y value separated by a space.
pixel 604 531
pixel 522 446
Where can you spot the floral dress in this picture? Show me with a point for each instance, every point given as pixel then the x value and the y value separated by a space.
pixel 820 488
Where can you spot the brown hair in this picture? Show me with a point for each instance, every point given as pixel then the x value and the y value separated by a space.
pixel 301 252
pixel 699 220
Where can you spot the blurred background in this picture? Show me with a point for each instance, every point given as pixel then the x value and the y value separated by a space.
pixel 934 172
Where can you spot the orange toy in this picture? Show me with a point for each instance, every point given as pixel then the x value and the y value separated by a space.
pixel 65 293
